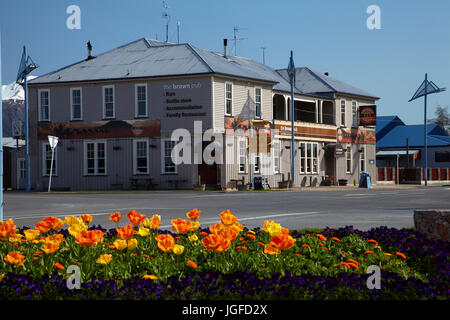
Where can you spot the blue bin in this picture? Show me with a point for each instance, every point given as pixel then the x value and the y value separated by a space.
pixel 364 180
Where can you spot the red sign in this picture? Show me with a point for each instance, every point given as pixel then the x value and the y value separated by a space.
pixel 368 115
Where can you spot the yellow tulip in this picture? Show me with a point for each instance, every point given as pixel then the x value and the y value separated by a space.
pixel 72 220
pixel 31 235
pixel 272 228
pixel 149 276
pixel 16 237
pixel 120 244
pixel 76 228
pixel 132 244
pixel 178 249
pixel 193 238
pixel 143 231
pixel 104 259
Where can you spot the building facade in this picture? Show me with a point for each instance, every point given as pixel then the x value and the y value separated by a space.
pixel 115 116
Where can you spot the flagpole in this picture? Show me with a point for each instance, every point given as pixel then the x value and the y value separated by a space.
pixel 27 145
pixel 1 134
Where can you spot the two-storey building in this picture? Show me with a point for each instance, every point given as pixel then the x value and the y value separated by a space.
pixel 114 115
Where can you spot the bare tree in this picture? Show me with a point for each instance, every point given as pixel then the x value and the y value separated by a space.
pixel 442 117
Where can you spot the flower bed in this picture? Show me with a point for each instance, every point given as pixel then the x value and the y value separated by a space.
pixel 225 261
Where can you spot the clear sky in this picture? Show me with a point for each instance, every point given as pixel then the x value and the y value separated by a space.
pixel 325 35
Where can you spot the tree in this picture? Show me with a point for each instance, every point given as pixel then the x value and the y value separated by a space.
pixel 442 117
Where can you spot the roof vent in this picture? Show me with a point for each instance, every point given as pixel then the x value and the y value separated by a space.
pixel 225 43
pixel 326 73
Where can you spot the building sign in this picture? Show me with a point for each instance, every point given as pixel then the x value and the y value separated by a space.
pixel 339 151
pixel 231 124
pixel 368 115
pixel 306 132
pixel 179 100
pixel 99 129
pixel 354 135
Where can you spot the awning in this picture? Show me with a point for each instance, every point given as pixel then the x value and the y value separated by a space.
pixel 396 152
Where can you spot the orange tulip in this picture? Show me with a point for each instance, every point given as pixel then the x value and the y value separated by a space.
pixel 401 255
pixel 15 257
pixel 135 218
pixel 125 233
pixel 7 228
pixel 227 217
pixel 55 223
pixel 192 264
pixel 336 239
pixel 55 237
pixel 181 226
pixel 271 249
pixel 115 217
pixel 165 242
pixel 89 238
pixel 224 245
pixel 373 242
pixel 321 237
pixel 283 242
pixel 87 218
pixel 59 266
pixel 43 226
pixel 305 245
pixel 211 241
pixel 369 252
pixel 251 236
pixel 194 214
pixel 154 222
pixel 216 228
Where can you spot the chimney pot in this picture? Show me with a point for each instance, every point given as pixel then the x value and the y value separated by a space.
pixel 225 43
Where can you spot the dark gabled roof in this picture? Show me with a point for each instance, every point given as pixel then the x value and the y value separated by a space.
pixel 308 81
pixel 386 124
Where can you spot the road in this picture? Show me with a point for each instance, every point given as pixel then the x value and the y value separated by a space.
pixel 310 208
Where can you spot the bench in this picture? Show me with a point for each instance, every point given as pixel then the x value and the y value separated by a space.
pixel 177 181
pixel 142 183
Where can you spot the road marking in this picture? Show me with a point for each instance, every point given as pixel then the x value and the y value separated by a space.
pixel 212 220
pixel 359 194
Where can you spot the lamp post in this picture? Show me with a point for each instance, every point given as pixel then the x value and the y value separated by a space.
pixel 291 72
pixel 426 88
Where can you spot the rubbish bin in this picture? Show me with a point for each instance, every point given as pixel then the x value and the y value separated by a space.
pixel 257 183
pixel 364 180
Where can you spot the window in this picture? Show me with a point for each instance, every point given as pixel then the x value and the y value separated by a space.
pixel 167 164
pixel 94 158
pixel 343 113
pixel 228 98
pixel 302 157
pixel 75 104
pixel 354 114
pixel 362 159
pixel 258 102
pixel 140 155
pixel 257 163
pixel 309 157
pixel 44 105
pixel 442 156
pixel 242 154
pixel 348 160
pixel 141 100
pixel 47 160
pixel 276 157
pixel 108 102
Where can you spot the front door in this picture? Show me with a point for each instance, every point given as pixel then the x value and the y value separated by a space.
pixel 20 173
pixel 207 173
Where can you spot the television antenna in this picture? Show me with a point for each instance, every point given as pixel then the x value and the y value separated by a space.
pixel 167 17
pixel 235 38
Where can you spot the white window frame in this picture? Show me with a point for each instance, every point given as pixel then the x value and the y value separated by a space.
pixel 40 104
pixel 303 156
pixel 314 158
pixel 244 156
pixel 348 157
pixel 308 160
pixel 113 101
pixel 257 163
pixel 343 112
pixel 71 104
pixel 226 99
pixel 136 101
pixel 260 102
pixel 85 159
pixel 276 156
pixel 44 160
pixel 362 159
pixel 21 172
pixel 163 156
pixel 135 158
pixel 355 114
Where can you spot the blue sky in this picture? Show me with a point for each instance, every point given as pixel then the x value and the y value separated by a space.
pixel 325 35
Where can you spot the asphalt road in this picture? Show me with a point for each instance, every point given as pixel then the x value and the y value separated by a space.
pixel 311 208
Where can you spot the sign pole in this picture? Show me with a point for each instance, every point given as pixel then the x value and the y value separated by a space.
pixel 53 141
pixel 425 133
pixel 1 134
pixel 291 71
pixel 51 171
pixel 27 142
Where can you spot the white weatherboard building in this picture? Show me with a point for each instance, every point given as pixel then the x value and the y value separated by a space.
pixel 114 115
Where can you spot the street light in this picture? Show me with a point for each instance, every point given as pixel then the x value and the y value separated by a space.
pixel 291 73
